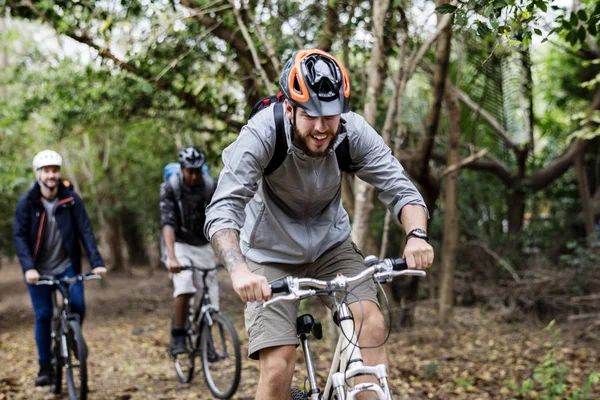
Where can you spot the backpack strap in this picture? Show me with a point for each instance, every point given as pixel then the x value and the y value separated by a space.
pixel 342 153
pixel 281 145
pixel 175 183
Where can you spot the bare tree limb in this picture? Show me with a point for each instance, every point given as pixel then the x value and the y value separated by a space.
pixel 493 122
pixel 188 98
pixel 440 71
pixel 234 38
pixel 330 27
pixel 486 165
pixel 416 60
pixel 250 44
pixel 465 161
pixel 496 257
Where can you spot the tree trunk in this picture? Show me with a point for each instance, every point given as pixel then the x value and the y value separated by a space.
pixel 419 169
pixel 363 192
pixel 330 27
pixel 134 240
pixel 116 247
pixel 450 240
pixel 584 194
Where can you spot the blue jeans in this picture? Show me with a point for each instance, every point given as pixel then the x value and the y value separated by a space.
pixel 41 298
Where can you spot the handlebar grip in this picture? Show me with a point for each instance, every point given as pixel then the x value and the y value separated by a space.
pixel 399 264
pixel 280 286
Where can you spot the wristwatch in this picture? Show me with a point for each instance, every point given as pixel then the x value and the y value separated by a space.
pixel 418 233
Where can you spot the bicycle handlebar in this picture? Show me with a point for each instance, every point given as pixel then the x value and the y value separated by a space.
pixel 380 270
pixel 52 280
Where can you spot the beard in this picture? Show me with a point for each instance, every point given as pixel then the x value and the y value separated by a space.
pixel 302 143
pixel 50 183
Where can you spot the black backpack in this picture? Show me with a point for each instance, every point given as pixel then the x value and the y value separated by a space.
pixel 342 152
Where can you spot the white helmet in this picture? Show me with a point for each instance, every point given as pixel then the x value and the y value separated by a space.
pixel 46 158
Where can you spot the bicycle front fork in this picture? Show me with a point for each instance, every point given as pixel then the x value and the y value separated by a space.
pixel 382 389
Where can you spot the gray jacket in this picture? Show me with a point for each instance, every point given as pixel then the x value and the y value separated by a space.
pixel 295 214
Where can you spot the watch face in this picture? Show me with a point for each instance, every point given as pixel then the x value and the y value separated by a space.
pixel 419 233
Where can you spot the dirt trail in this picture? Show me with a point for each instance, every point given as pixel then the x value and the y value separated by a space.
pixel 127 330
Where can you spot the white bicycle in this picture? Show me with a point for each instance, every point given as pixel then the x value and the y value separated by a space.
pixel 347 360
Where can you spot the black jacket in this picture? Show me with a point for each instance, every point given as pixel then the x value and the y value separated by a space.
pixel 71 219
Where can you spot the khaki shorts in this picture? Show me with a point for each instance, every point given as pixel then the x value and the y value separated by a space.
pixel 276 325
pixel 190 282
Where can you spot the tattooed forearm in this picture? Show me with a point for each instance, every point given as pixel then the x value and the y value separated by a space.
pixel 226 244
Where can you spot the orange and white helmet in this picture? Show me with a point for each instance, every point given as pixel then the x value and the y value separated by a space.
pixel 46 158
pixel 315 81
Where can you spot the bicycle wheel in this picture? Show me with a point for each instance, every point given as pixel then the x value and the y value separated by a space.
pixel 297 394
pixel 76 363
pixel 56 382
pixel 185 363
pixel 220 354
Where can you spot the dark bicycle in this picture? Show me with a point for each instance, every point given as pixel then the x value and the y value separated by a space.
pixel 69 348
pixel 211 337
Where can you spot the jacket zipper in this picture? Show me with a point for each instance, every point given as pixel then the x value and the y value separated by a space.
pixel 311 251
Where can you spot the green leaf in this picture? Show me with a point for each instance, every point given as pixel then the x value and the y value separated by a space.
pixel 581 32
pixel 592 29
pixel 573 19
pixel 106 25
pixel 446 9
pixel 542 5
pixel 537 31
pixel 572 37
pixel 582 15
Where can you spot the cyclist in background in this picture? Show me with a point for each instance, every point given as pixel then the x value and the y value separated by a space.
pixel 290 221
pixel 50 221
pixel 183 200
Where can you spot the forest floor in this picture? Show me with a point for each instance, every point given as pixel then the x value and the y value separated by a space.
pixel 127 331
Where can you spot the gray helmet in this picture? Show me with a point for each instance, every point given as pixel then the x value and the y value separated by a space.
pixel 315 81
pixel 192 157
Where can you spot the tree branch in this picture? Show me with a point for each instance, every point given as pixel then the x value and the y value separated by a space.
pixel 493 122
pixel 485 165
pixel 330 27
pixel 465 161
pixel 250 44
pixel 234 38
pixel 187 98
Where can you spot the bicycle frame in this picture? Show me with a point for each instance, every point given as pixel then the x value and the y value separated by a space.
pixel 347 359
pixel 347 363
pixel 199 314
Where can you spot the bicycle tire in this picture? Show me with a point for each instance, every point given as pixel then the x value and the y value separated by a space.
pixel 56 383
pixel 220 354
pixel 185 363
pixel 297 394
pixel 76 348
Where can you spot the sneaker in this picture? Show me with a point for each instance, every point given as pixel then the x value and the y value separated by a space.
pixel 178 345
pixel 44 376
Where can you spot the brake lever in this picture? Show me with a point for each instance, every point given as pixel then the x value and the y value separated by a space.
pixel 386 276
pixel 279 299
pixel 295 295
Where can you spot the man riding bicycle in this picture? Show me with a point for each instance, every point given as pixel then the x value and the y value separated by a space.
pixel 290 221
pixel 183 201
pixel 50 221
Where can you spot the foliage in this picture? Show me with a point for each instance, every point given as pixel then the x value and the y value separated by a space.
pixel 549 377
